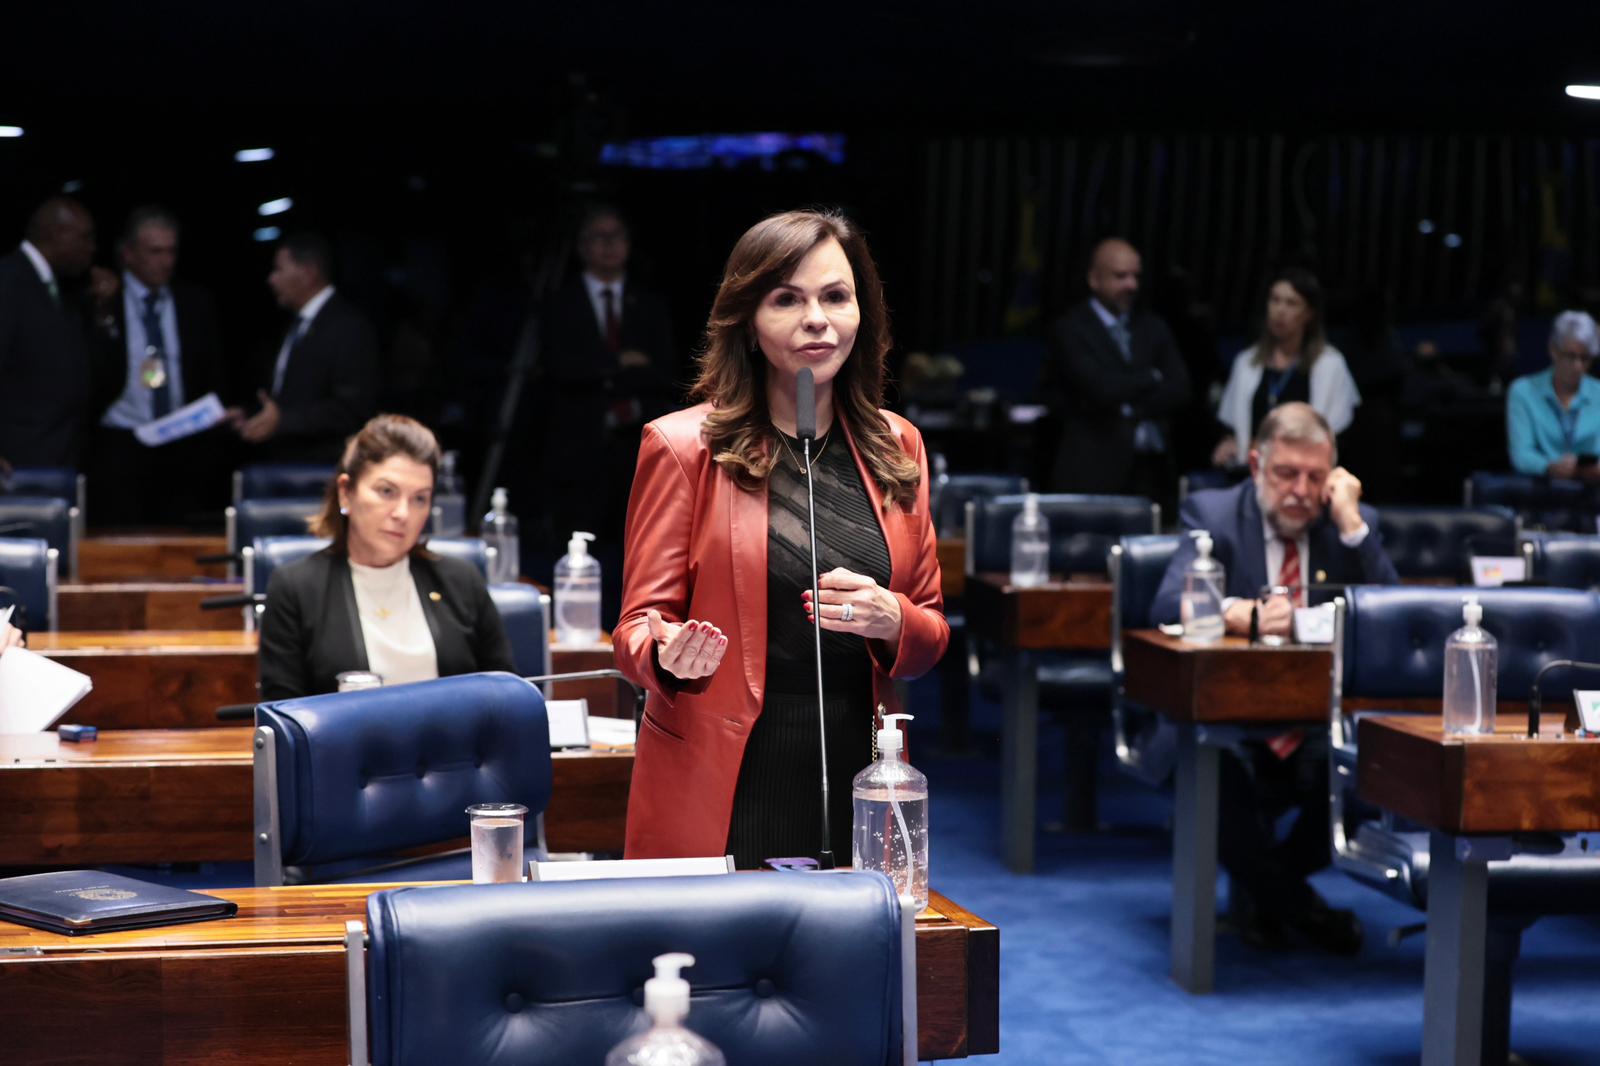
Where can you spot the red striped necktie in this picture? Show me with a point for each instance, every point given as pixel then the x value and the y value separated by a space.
pixel 1284 744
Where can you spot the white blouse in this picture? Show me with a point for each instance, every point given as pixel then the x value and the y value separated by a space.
pixel 399 643
pixel 1333 394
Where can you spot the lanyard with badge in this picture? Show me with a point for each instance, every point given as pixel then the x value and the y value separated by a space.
pixel 1276 383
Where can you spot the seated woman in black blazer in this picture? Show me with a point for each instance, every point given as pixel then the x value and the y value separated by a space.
pixel 376 599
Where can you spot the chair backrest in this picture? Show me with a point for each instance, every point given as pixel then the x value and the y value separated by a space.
pixel 1439 542
pixel 266 554
pixel 525 612
pixel 28 571
pixel 1137 565
pixel 949 498
pixel 789 969
pixel 1394 636
pixel 259 481
pixel 1565 560
pixel 366 774
pixel 1211 478
pixel 250 520
pixel 52 519
pixel 1082 529
pixel 62 482
pixel 1541 501
pixel 470 549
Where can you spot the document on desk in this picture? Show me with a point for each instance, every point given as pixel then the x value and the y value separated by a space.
pixel 186 421
pixel 36 691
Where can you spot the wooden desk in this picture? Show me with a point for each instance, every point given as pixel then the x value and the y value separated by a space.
pixel 178 679
pixel 1201 687
pixel 952 555
pixel 144 606
pixel 1070 615
pixel 169 557
pixel 184 795
pixel 154 680
pixel 1472 793
pixel 268 986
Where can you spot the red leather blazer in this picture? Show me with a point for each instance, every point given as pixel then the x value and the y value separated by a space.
pixel 697 548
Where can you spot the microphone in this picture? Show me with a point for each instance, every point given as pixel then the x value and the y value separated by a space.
pixel 220 603
pixel 805 426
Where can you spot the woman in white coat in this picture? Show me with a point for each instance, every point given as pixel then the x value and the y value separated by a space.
pixel 1291 361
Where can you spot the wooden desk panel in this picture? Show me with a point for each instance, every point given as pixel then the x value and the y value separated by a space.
pixel 145 606
pixel 1504 783
pixel 268 986
pixel 150 680
pixel 1070 615
pixel 147 796
pixel 145 558
pixel 1230 681
pixel 952 555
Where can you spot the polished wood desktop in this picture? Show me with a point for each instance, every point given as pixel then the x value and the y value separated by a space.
pixel 268 986
pixel 185 795
pixel 1472 793
pixel 1062 615
pixel 952 555
pixel 1204 688
pixel 177 679
pixel 162 605
pixel 148 557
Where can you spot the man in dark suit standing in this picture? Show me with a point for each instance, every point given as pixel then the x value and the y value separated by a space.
pixel 44 354
pixel 1298 521
pixel 157 348
pixel 323 382
pixel 608 365
pixel 1115 377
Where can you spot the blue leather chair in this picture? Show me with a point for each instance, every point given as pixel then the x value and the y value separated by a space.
pixel 1565 560
pixel 1389 646
pixel 28 581
pixel 52 519
pixel 948 499
pixel 790 969
pixel 62 482
pixel 259 481
pixel 286 516
pixel 347 781
pixel 1439 542
pixel 1210 478
pixel 525 612
pixel 1146 745
pixel 1543 502
pixel 1082 532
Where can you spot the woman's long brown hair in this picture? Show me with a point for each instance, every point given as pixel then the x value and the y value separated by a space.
pixel 733 370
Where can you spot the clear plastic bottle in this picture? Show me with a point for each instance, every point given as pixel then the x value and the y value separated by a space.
pixel 1470 657
pixel 500 533
pixel 889 829
pixel 1200 609
pixel 577 596
pixel 666 1042
pixel 1030 544
pixel 449 502
pixel 941 478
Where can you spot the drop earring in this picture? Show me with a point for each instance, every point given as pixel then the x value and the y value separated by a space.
pixel 344 510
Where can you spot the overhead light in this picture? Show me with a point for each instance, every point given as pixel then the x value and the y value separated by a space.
pixel 253 155
pixel 1425 227
pixel 1452 240
pixel 267 233
pixel 275 207
pixel 10 131
pixel 1584 92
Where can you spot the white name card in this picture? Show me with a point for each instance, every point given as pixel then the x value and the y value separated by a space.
pixel 569 723
pixel 1492 571
pixel 602 869
pixel 1314 625
pixel 1588 710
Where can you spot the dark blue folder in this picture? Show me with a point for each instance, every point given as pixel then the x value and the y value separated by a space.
pixel 75 902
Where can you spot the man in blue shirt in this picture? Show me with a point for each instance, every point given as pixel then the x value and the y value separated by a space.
pixel 1553 417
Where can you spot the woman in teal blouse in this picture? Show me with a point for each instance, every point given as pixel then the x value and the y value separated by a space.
pixel 1553 417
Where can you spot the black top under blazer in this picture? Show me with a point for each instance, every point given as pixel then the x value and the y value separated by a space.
pixel 310 632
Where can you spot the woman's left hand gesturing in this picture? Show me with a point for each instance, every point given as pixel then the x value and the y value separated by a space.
pixel 854 603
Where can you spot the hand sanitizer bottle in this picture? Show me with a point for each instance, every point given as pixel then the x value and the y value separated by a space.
pixel 449 503
pixel 1470 655
pixel 577 603
pixel 1200 609
pixel 667 1042
pixel 890 827
pixel 1030 544
pixel 500 533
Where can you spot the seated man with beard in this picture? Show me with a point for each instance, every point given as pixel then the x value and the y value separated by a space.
pixel 1298 521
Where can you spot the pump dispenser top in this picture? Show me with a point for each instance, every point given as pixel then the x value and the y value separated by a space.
pixel 890 739
pixel 1472 612
pixel 666 995
pixel 499 501
pixel 578 545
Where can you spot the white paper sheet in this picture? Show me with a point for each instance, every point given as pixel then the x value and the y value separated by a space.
pixel 36 691
pixel 186 421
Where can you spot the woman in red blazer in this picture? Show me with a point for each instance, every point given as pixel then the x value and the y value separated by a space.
pixel 716 613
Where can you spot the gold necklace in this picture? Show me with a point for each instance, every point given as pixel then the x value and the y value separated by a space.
pixel 798 465
pixel 393 596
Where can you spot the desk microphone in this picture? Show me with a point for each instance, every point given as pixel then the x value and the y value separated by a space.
pixel 220 603
pixel 1533 697
pixel 805 427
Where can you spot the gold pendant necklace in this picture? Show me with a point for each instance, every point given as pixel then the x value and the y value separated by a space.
pixel 783 440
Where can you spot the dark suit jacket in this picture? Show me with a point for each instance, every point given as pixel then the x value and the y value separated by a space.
pixel 1089 383
pixel 572 348
pixel 199 347
pixel 44 370
pixel 310 632
pixel 330 387
pixel 1233 518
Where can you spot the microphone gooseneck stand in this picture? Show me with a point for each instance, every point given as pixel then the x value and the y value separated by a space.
pixel 1534 699
pixel 805 425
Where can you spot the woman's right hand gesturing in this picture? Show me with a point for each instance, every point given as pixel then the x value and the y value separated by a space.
pixel 689 651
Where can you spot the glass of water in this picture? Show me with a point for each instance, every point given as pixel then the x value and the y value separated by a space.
pixel 496 842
